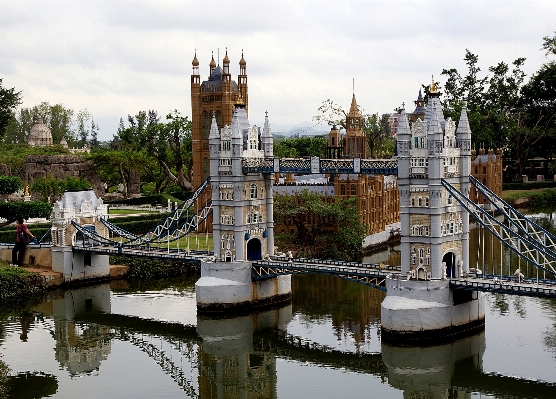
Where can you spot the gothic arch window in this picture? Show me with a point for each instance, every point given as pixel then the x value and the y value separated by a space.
pixel 419 202
pixel 476 170
pixel 412 201
pixel 342 190
pixel 421 256
pixel 353 190
pixel 218 116
pixel 206 168
pixel 484 170
pixel 205 123
pixel 253 191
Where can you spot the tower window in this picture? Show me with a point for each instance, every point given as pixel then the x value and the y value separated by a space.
pixel 253 192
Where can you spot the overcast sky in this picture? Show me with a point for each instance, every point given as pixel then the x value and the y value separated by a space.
pixel 118 57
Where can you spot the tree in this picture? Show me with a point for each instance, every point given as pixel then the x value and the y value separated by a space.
pixel 377 131
pixel 297 147
pixel 549 45
pixel 58 119
pixel 9 100
pixel 94 134
pixel 82 131
pixel 329 229
pixel 168 142
pixel 375 126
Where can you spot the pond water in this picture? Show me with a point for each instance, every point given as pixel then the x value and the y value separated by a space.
pixel 123 340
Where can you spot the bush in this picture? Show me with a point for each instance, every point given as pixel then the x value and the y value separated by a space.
pixel 528 186
pixel 9 185
pixel 17 284
pixel 51 187
pixel 152 200
pixel 151 269
pixel 27 210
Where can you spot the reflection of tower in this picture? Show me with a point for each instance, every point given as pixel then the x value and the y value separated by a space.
pixel 430 372
pixel 434 230
pixel 80 347
pixel 229 366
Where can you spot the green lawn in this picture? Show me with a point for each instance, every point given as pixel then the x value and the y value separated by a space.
pixel 195 242
pixel 128 211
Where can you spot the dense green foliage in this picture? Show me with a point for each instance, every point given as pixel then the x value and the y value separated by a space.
pixel 53 188
pixel 151 269
pixel 536 199
pixel 504 110
pixel 17 284
pixel 532 185
pixel 9 185
pixel 299 147
pixel 143 200
pixel 9 100
pixel 27 210
pixel 4 378
pixel 330 230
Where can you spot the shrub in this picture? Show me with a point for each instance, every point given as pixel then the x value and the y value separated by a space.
pixel 27 210
pixel 9 185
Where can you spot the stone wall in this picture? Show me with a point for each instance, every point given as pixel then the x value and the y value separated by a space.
pixel 61 166
pixel 4 170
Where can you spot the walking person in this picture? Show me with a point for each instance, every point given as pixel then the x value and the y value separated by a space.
pixel 24 237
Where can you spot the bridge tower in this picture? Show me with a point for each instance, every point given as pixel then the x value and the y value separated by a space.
pixel 434 230
pixel 243 221
pixel 86 209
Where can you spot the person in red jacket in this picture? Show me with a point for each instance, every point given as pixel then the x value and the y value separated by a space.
pixel 24 237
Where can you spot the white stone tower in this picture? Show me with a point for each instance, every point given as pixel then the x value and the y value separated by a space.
pixel 86 209
pixel 242 220
pixel 435 230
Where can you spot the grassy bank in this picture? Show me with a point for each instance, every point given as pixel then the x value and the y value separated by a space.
pixel 530 198
pixel 17 284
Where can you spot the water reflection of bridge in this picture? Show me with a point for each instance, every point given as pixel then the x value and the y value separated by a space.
pixel 248 346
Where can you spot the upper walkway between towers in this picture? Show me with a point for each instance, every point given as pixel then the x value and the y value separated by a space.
pixel 312 165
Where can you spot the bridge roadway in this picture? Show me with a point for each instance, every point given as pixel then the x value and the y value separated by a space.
pixel 373 275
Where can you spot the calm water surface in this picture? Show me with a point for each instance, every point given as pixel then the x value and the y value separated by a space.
pixel 121 340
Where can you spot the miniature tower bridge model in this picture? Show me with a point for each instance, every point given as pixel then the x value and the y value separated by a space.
pixel 243 223
pixel 434 230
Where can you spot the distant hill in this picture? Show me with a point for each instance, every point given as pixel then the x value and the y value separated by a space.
pixel 301 129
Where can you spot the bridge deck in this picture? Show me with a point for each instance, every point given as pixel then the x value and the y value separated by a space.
pixel 507 285
pixel 373 275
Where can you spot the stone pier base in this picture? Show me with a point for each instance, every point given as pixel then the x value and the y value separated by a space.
pixel 227 286
pixel 429 312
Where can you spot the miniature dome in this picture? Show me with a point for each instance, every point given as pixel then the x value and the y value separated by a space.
pixel 40 134
pixel 226 60
pixel 212 63
pixel 195 61
pixel 242 61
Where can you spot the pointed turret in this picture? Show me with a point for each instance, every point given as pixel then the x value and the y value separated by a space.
pixel 433 105
pixel 226 68
pixel 214 128
pixel 212 65
pixel 266 138
pixel 404 134
pixel 463 132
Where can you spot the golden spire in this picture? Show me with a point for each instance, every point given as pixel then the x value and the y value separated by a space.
pixel 434 86
pixel 226 60
pixel 212 62
pixel 242 61
pixel 239 100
